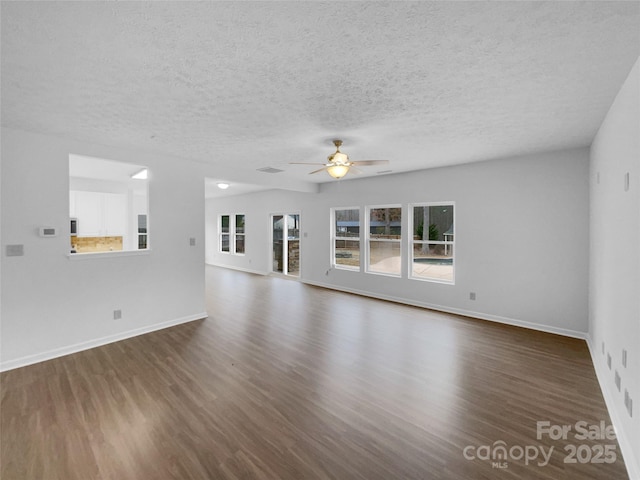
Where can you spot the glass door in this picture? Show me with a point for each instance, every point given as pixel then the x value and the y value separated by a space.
pixel 286 243
pixel 293 245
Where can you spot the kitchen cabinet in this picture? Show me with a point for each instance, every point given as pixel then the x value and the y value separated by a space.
pixel 115 214
pixel 72 204
pixel 100 214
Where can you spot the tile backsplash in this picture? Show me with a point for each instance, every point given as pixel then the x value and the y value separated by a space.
pixel 96 244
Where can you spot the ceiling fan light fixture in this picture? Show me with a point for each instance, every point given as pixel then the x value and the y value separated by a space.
pixel 339 157
pixel 338 164
pixel 337 171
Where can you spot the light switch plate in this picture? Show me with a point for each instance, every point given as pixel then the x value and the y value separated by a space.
pixel 15 250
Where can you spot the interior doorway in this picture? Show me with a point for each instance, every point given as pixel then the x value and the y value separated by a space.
pixel 286 243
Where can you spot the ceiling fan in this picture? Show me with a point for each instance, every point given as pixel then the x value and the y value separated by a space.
pixel 338 164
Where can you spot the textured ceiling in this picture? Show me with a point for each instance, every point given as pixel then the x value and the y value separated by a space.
pixel 244 85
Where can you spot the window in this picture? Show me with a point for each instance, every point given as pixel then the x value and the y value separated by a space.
pixel 231 228
pixel 346 238
pixel 432 245
pixel 384 240
pixel 108 205
pixel 224 233
pixel 239 243
pixel 142 232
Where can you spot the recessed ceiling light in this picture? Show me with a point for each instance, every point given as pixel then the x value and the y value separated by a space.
pixel 223 185
pixel 141 175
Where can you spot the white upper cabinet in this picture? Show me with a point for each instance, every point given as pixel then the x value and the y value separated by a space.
pixel 100 214
pixel 115 214
pixel 89 213
pixel 72 204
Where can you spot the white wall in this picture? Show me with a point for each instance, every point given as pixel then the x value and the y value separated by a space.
pixel 53 305
pixel 614 307
pixel 521 237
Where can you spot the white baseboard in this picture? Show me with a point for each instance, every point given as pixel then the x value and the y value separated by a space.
pixel 78 347
pixel 458 311
pixel 240 269
pixel 630 454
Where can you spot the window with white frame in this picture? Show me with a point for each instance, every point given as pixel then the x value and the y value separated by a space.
pixel 225 233
pixel 232 234
pixel 431 252
pixel 384 237
pixel 143 232
pixel 346 238
pixel 239 234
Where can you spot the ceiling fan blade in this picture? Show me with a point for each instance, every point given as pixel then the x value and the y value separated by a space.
pixel 318 171
pixel 304 163
pixel 355 171
pixel 370 162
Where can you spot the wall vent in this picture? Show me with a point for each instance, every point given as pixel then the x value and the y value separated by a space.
pixel 270 170
pixel 15 250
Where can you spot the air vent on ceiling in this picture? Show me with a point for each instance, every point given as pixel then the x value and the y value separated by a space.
pixel 270 170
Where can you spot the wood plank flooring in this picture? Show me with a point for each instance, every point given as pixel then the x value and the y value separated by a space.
pixel 289 381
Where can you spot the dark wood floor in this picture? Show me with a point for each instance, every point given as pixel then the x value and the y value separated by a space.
pixel 288 381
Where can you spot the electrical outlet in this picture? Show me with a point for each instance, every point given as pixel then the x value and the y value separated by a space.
pixel 472 295
pixel 192 241
pixel 117 314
